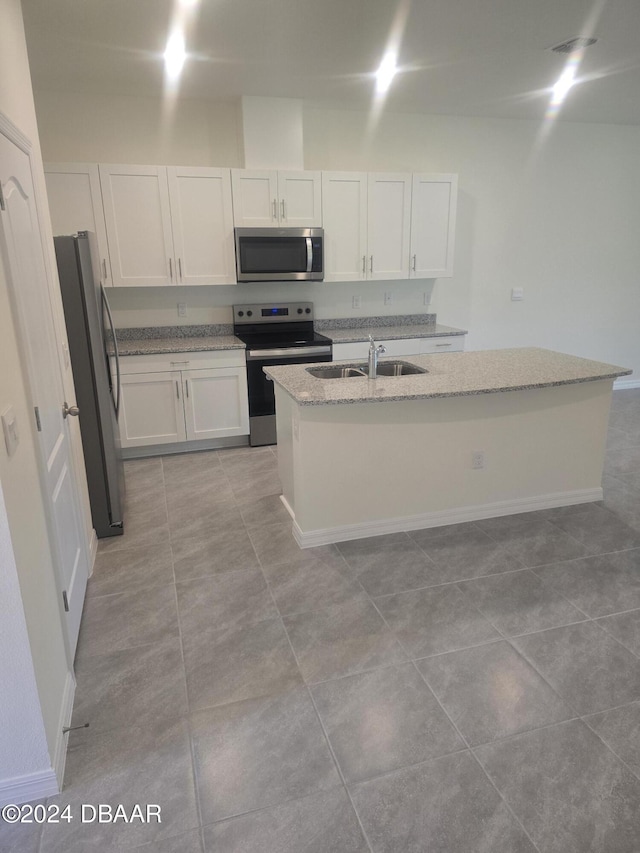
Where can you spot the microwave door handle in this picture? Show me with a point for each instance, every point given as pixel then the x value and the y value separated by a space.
pixel 309 255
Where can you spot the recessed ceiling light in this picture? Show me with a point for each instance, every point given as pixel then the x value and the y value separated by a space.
pixel 174 55
pixel 387 71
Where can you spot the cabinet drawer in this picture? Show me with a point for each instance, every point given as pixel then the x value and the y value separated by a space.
pixel 452 343
pixel 394 347
pixel 162 362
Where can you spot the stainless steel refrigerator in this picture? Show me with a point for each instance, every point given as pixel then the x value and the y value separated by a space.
pixel 87 314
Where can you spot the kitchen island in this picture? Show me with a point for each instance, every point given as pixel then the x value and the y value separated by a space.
pixel 479 434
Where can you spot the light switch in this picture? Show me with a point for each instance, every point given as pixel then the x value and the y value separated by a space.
pixel 10 430
pixel 517 294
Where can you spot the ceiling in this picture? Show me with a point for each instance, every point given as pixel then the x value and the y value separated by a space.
pixel 459 57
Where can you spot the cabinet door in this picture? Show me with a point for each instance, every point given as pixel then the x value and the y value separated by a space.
pixel 389 212
pixel 215 403
pixel 75 204
pixel 138 219
pixel 300 199
pixel 255 198
pixel 433 222
pixel 344 213
pixel 202 223
pixel 151 409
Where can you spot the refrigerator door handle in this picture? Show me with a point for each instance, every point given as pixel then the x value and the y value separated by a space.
pixel 115 349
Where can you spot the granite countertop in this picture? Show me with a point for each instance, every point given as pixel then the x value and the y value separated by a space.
pixel 454 375
pixel 199 343
pixel 386 333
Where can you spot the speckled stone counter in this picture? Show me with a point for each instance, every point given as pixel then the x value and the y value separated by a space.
pixel 387 333
pixel 153 340
pixel 442 447
pixel 457 374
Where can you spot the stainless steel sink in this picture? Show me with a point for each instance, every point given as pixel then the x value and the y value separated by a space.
pixel 348 371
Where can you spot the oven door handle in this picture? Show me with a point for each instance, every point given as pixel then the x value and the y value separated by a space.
pixel 309 255
pixel 286 352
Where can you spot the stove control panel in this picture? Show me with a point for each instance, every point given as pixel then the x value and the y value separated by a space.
pixel 272 312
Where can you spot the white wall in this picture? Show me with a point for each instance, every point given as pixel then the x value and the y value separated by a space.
pixel 551 210
pixel 31 567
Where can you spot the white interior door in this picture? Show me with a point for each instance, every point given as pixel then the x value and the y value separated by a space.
pixel 22 247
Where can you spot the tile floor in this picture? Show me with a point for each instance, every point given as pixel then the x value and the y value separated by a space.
pixel 470 689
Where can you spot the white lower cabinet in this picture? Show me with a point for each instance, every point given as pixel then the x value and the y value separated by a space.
pixel 195 397
pixel 401 347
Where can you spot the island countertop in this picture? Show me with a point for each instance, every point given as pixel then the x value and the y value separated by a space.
pixel 385 333
pixel 452 375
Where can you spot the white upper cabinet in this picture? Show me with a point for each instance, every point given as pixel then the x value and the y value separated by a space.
pixel 202 224
pixel 433 221
pixel 138 219
pixel 344 213
pixel 389 219
pixel 266 199
pixel 168 225
pixel 75 204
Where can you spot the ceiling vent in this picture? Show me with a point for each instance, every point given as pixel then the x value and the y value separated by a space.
pixel 572 45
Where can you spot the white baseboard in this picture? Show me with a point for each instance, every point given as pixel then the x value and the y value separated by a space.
pixel 144 451
pixel 66 709
pixel 93 551
pixel 626 384
pixel 26 789
pixel 362 530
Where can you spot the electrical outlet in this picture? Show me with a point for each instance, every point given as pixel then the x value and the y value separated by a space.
pixel 388 298
pixel 182 309
pixel 517 294
pixel 356 301
pixel 426 299
pixel 477 459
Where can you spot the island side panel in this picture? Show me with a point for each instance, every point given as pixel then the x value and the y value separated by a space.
pixel 366 468
pixel 284 428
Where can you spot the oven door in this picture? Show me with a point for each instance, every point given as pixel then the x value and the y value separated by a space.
pixel 279 254
pixel 262 403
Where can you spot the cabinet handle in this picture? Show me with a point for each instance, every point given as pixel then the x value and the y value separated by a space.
pixel 177 390
pixel 370 263
pixel 443 345
pixel 284 216
pixel 275 209
pixel 413 267
pixel 104 268
pixel 180 267
pixel 186 385
pixel 170 269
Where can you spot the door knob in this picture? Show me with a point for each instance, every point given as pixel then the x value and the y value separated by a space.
pixel 74 411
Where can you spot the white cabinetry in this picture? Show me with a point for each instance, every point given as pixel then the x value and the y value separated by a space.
pixel 401 346
pixel 168 225
pixel 265 199
pixel 388 226
pixel 433 220
pixel 344 213
pixel 75 204
pixel 167 399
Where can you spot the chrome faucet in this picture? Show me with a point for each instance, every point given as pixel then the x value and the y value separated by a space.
pixel 374 353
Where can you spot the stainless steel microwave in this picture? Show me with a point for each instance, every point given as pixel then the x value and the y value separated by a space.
pixel 279 254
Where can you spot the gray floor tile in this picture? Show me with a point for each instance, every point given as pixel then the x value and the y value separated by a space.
pixel 145 507
pixel 436 620
pixel 133 687
pixel 259 753
pixel 259 460
pixel 310 584
pixel 599 530
pixel 446 805
pixel 570 792
pixel 136 535
pixel 463 551
pixel 341 640
pixel 386 564
pixel 607 583
pixel 625 627
pixel 622 460
pixel 490 692
pixel 383 720
pixel 180 465
pixel 267 510
pixel 520 602
pixel 187 842
pixel 233 664
pixel 211 552
pixel 533 540
pixel 321 823
pixel 209 512
pixel 114 622
pixel 587 667
pixel 20 837
pixel 256 485
pixel 228 600
pixel 128 766
pixel 131 570
pixel 274 544
pixel 620 729
pixel 143 476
